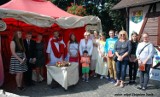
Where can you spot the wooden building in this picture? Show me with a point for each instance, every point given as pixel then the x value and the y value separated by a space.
pixel 144 16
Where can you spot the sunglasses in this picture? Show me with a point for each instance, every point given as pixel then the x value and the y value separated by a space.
pixel 122 34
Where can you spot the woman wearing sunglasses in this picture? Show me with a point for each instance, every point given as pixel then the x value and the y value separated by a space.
pixel 122 50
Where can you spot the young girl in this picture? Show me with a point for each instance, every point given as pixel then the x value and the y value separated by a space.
pixel 85 60
pixel 133 64
pixel 101 66
pixel 94 54
pixel 73 49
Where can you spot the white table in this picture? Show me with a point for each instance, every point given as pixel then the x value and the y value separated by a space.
pixel 65 76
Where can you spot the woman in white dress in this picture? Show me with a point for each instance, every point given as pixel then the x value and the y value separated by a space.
pixel 73 49
pixel 101 66
pixel 94 54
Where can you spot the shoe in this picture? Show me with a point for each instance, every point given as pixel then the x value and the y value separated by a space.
pixel 117 84
pixel 122 85
pixel 130 82
pixel 134 82
pixel 113 81
pixel 95 75
pixel 143 88
pixel 108 78
pixel 139 87
pixel 87 80
pixel 101 77
pixel 21 88
pixel 83 80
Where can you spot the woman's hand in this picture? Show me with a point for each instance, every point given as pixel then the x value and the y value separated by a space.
pixel 139 61
pixel 21 61
pixel 144 62
pixel 34 59
pixel 120 58
pixel 135 60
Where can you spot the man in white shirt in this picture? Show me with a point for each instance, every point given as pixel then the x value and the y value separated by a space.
pixel 55 49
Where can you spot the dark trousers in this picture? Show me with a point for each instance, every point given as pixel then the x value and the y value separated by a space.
pixel 133 67
pixel 28 74
pixel 121 69
pixel 144 76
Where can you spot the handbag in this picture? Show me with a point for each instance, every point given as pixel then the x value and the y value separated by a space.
pixel 110 54
pixel 142 66
pixel 115 57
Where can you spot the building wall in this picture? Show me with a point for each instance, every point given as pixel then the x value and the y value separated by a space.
pixel 135 24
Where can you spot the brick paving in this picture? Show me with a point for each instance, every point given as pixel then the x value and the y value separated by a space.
pixel 95 88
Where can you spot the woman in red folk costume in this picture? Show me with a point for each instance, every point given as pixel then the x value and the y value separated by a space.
pixel 55 48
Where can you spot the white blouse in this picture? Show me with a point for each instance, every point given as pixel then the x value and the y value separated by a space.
pixel 86 46
pixel 73 48
pixel 54 59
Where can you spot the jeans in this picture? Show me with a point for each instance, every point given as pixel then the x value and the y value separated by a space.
pixel 121 69
pixel 133 67
pixel 144 76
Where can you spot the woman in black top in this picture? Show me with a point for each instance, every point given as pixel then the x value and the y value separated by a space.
pixel 17 63
pixel 122 50
pixel 133 64
pixel 40 58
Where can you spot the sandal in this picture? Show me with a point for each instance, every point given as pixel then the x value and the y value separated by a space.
pixel 117 84
pixel 122 85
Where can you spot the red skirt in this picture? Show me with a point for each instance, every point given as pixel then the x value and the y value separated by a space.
pixel 73 59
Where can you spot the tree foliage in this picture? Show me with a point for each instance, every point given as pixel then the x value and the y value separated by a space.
pixel 111 19
pixel 76 9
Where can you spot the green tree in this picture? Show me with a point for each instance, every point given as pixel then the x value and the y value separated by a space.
pixel 111 19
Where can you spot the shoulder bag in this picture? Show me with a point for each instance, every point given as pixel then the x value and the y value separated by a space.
pixel 142 66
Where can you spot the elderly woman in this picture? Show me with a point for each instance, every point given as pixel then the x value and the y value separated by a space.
pixel 86 44
pixel 144 53
pixel 122 50
pixel 40 58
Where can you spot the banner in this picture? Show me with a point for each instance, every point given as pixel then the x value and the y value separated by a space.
pixel 154 74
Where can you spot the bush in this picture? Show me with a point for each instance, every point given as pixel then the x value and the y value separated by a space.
pixel 76 10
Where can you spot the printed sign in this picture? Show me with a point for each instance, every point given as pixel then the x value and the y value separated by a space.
pixel 137 16
pixel 154 74
pixel 156 60
pixel 3 25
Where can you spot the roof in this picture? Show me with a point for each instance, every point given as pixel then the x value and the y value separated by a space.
pixel 133 3
pixel 36 6
pixel 43 13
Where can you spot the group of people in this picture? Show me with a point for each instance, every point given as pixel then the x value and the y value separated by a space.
pixel 97 55
pixel 27 55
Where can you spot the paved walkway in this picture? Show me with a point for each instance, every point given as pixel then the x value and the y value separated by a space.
pixel 95 88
